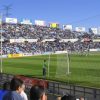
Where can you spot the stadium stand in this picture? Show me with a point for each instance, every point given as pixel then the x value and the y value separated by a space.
pixel 18 38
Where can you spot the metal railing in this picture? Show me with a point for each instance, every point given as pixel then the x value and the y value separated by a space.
pixel 77 91
pixel 60 88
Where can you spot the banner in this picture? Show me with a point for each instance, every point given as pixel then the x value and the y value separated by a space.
pixel 93 30
pixel 96 40
pixel 26 21
pixel 80 29
pixel 67 40
pixel 22 40
pixel 40 23
pixel 45 40
pixel 94 49
pixel 31 40
pixel 54 25
pixel 67 27
pixel 3 56
pixel 61 52
pixel 27 54
pixel 17 40
pixel 11 20
pixel 14 55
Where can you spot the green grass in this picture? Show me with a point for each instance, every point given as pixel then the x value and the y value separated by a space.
pixel 85 70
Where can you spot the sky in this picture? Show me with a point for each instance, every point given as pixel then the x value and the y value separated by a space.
pixel 79 13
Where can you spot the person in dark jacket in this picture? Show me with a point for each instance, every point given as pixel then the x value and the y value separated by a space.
pixel 6 88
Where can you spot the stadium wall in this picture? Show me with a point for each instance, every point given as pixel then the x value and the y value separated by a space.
pixel 36 54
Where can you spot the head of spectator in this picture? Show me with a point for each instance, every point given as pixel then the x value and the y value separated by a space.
pixel 82 98
pixel 23 94
pixel 59 98
pixel 6 86
pixel 37 93
pixel 68 97
pixel 15 90
pixel 16 85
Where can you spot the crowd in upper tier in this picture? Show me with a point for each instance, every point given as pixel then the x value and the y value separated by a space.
pixel 20 31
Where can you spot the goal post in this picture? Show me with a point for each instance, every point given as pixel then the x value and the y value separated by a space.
pixel 63 64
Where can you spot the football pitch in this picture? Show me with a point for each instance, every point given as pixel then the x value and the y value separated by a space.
pixel 84 70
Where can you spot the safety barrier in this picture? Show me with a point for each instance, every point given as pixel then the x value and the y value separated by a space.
pixel 60 88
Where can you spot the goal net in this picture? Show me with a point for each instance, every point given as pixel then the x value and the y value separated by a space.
pixel 62 68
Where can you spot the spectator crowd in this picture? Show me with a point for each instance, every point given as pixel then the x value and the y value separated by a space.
pixel 22 31
pixel 15 90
